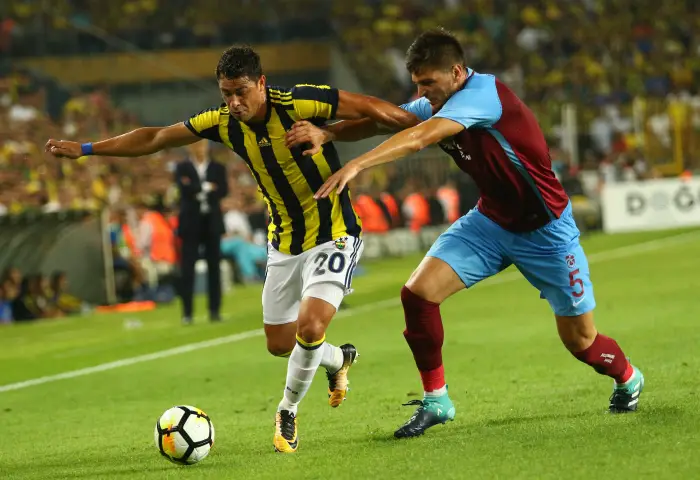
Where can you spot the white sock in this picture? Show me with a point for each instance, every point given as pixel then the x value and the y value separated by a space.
pixel 302 365
pixel 332 358
pixel 436 393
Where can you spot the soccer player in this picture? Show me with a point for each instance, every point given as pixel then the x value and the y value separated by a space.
pixel 523 218
pixel 314 245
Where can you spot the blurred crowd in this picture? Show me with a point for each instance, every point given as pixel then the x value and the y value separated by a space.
pixel 59 27
pixel 599 55
pixel 25 297
pixel 31 180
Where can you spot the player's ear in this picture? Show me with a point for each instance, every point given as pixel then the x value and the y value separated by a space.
pixel 457 71
pixel 262 81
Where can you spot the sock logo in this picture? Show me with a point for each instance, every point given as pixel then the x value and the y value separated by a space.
pixel 608 357
pixel 295 393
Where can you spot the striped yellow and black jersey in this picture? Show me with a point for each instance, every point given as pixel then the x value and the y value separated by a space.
pixel 286 178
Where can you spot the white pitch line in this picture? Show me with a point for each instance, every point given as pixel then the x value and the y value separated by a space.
pixel 613 254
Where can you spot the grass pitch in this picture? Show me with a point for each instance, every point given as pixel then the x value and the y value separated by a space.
pixel 525 407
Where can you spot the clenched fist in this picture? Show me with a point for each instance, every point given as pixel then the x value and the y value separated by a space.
pixel 63 148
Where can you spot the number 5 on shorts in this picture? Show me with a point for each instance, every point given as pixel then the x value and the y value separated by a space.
pixel 336 263
pixel 573 281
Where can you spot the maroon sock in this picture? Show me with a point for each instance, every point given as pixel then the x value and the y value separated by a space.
pixel 424 334
pixel 607 358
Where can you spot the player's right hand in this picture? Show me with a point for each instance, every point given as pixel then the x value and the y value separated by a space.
pixel 307 134
pixel 63 148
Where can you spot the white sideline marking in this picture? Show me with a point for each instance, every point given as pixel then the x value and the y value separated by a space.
pixel 613 254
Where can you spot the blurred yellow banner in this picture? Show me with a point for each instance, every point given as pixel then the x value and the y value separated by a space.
pixel 174 65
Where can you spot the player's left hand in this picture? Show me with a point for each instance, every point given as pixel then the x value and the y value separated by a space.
pixel 337 181
pixel 305 132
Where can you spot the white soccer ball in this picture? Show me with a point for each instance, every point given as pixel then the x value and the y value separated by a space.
pixel 184 435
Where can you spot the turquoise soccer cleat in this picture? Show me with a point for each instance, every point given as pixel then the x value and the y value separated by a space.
pixel 625 398
pixel 431 411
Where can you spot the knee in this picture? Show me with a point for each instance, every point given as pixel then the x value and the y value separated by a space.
pixel 314 316
pixel 311 329
pixel 417 292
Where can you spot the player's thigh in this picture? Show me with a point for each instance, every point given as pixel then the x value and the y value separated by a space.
pixel 282 289
pixel 434 280
pixel 553 261
pixel 472 249
pixel 578 332
pixel 319 304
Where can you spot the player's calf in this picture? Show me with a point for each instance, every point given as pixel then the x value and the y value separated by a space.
pixel 606 357
pixel 424 334
pixel 307 355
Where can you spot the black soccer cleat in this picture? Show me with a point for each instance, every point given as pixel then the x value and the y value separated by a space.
pixel 626 399
pixel 430 412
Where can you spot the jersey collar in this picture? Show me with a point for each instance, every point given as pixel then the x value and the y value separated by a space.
pixel 470 74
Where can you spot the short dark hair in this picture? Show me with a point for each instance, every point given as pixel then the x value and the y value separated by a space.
pixel 239 61
pixel 435 48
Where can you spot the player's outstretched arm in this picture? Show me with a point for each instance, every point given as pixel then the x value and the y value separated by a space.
pixel 142 141
pixel 398 146
pixel 306 133
pixel 364 116
pixel 355 106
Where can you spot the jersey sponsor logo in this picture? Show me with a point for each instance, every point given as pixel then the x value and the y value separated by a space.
pixel 451 146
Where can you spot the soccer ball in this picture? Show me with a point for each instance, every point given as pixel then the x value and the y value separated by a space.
pixel 184 435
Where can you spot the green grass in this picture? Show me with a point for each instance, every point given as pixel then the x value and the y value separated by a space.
pixel 525 407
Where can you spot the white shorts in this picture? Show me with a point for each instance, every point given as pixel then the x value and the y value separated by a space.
pixel 324 272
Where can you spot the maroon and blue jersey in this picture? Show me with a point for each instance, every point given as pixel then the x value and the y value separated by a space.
pixel 504 150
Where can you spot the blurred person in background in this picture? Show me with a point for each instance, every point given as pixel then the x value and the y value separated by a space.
pixel 14 275
pixel 448 196
pixel 238 244
pixel 415 206
pixel 30 303
pixel 202 184
pixel 8 292
pixel 131 283
pixel 46 299
pixel 65 302
pixel 155 242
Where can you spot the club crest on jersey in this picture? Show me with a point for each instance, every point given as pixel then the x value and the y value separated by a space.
pixel 570 261
pixel 341 243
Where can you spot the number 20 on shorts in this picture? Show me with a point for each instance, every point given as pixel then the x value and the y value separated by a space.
pixel 336 263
